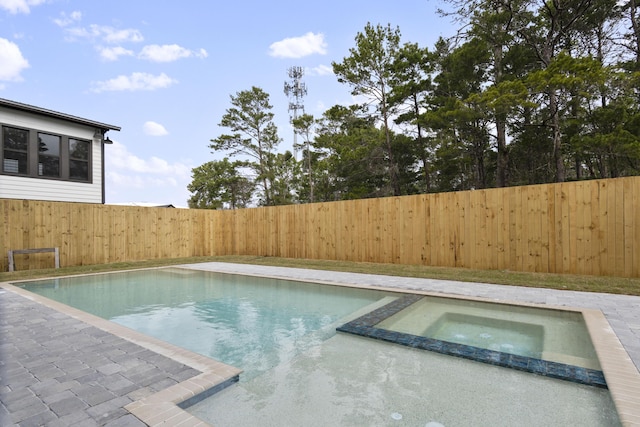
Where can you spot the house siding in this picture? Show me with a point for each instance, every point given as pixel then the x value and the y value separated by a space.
pixel 31 188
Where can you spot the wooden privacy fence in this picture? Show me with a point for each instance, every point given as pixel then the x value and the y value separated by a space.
pixel 585 227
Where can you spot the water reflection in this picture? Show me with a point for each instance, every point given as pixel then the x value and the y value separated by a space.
pixel 252 323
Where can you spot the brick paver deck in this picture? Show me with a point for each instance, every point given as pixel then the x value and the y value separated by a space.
pixel 58 370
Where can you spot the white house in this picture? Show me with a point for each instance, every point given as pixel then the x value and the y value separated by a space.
pixel 47 155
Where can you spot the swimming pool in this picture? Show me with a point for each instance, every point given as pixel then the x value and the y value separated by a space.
pixel 381 383
pixel 248 322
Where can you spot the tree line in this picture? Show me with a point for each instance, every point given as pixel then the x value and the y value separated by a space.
pixel 527 92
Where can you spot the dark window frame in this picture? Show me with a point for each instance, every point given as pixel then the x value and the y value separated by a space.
pixel 33 156
pixel 49 165
pixel 75 160
pixel 17 152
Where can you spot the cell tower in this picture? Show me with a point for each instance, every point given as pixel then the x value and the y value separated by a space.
pixel 295 90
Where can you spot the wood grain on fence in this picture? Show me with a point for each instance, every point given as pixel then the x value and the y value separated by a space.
pixel 585 227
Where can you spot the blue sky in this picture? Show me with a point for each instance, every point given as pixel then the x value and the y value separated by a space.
pixel 164 70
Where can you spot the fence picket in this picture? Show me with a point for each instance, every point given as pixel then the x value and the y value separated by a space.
pixel 585 227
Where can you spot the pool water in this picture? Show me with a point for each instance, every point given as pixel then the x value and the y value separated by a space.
pixel 355 381
pixel 247 322
pixel 506 336
pixel 555 335
pixel 298 371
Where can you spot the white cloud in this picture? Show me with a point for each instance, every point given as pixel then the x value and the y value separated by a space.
pixel 113 53
pixel 154 129
pixel 112 35
pixel 106 34
pixel 19 6
pixel 124 180
pixel 11 61
pixel 100 35
pixel 297 47
pixel 169 52
pixel 69 19
pixel 320 70
pixel 134 82
pixel 147 185
pixel 134 179
pixel 118 157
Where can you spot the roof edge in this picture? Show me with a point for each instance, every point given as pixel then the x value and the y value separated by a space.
pixel 50 113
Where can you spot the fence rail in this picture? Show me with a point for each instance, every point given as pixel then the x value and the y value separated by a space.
pixel 585 227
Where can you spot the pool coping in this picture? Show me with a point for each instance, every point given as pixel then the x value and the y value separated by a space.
pixel 166 406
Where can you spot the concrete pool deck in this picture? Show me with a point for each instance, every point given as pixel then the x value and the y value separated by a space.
pixel 61 366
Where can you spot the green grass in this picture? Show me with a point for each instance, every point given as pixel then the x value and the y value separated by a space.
pixel 615 285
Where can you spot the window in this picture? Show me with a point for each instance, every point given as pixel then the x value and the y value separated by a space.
pixel 48 155
pixel 15 145
pixel 79 159
pixel 30 153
